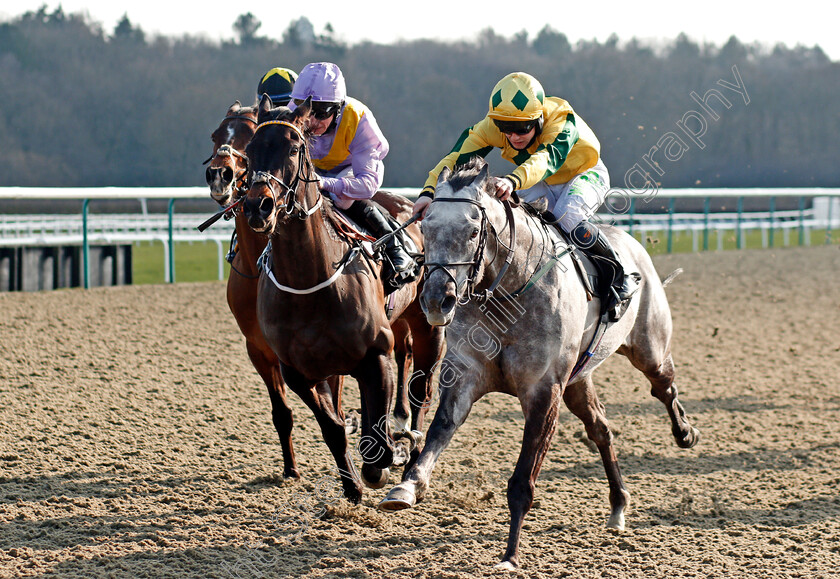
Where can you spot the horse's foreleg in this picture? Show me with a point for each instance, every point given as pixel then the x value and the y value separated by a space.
pixel 376 445
pixel 455 405
pixel 662 387
pixel 403 358
pixel 540 405
pixel 428 349
pixel 319 398
pixel 281 413
pixel 582 400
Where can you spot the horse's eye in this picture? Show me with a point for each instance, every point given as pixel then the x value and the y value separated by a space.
pixel 293 150
pixel 474 234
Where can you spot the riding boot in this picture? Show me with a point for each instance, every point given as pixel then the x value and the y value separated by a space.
pixel 405 267
pixel 590 239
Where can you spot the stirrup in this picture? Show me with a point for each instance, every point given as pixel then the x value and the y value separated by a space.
pixel 625 292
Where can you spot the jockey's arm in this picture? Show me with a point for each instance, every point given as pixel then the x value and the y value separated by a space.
pixel 367 149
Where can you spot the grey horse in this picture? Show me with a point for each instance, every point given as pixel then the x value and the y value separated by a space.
pixel 528 345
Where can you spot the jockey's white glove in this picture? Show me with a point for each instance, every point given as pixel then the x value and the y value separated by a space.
pixel 503 187
pixel 421 206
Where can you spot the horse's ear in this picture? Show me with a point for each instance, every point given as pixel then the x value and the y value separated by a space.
pixel 233 109
pixel 264 108
pixel 444 175
pixel 304 108
pixel 483 175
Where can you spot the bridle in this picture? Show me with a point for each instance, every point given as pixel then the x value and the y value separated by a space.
pixel 292 206
pixel 478 257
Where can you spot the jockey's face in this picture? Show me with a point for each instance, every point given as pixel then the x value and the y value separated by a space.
pixel 318 127
pixel 520 142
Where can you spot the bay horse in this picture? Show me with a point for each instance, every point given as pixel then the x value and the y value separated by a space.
pixel 526 336
pixel 226 175
pixel 322 308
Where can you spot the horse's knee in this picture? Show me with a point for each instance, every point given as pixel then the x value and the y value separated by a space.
pixel 520 492
pixel 599 432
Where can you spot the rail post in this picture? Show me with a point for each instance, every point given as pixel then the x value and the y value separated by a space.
pixel 171 264
pixel 85 244
pixel 671 225
pixel 801 221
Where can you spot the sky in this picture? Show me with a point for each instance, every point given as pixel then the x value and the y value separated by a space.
pixel 803 22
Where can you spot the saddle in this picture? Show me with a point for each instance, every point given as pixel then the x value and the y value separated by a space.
pixel 596 273
pixel 356 232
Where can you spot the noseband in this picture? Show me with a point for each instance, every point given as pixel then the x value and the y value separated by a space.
pixel 478 257
pixel 293 206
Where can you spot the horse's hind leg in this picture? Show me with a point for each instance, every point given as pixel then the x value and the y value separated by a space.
pixel 281 413
pixel 661 377
pixel 582 400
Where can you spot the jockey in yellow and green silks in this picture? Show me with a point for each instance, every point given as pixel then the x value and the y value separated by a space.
pixel 557 157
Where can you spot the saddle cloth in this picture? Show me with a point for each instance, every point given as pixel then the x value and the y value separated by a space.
pixel 595 273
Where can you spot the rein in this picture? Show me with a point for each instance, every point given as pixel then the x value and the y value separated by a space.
pixel 292 205
pixel 475 264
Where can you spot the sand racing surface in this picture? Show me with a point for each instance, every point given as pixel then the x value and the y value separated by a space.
pixel 136 441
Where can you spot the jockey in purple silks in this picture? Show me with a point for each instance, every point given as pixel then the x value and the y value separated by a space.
pixel 347 148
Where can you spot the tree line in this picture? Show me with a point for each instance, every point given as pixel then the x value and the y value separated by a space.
pixel 82 106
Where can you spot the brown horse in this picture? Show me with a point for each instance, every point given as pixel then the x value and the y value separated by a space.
pixel 321 305
pixel 226 175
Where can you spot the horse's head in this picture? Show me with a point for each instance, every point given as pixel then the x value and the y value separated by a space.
pixel 455 232
pixel 228 168
pixel 280 168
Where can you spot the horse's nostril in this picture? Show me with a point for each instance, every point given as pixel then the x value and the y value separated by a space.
pixel 209 175
pixel 447 304
pixel 227 175
pixel 266 205
pixel 248 208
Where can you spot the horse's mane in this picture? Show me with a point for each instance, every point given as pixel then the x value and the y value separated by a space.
pixel 465 173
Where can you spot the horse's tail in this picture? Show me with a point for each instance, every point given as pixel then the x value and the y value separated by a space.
pixel 667 281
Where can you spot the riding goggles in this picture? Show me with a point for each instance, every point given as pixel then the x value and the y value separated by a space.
pixel 321 109
pixel 515 127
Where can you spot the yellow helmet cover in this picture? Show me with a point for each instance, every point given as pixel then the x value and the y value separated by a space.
pixel 517 97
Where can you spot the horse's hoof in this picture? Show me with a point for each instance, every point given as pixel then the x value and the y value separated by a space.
pixel 353 496
pixel 291 474
pixel 375 478
pixel 506 566
pixel 402 452
pixel 689 440
pixel 417 438
pixel 398 499
pixel 616 521
pixel 351 423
